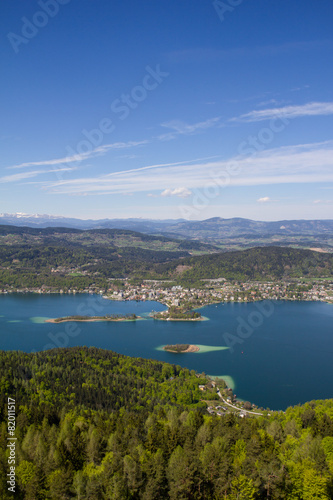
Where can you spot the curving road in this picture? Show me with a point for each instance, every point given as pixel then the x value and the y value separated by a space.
pixel 236 408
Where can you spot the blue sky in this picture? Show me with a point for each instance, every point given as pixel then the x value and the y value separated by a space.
pixel 168 109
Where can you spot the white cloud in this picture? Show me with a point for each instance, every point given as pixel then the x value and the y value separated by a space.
pixel 305 163
pixel 180 128
pixel 100 150
pixel 309 109
pixel 265 199
pixel 181 192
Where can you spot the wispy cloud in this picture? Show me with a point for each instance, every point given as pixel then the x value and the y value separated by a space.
pixel 128 157
pixel 27 175
pixel 309 109
pixel 178 127
pixel 100 150
pixel 323 202
pixel 307 163
pixel 298 89
pixel 270 102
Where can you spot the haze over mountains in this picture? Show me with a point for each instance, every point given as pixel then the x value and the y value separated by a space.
pixel 235 232
pixel 227 227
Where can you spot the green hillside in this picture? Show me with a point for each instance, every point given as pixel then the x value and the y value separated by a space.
pixel 68 265
pixel 253 264
pixel 93 424
pixel 104 238
pixel 62 258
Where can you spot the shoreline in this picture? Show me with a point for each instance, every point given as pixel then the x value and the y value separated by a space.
pixel 213 302
pixel 202 318
pixel 281 301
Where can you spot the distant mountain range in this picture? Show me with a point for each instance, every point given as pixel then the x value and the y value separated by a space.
pixel 44 220
pixel 217 226
pixel 230 233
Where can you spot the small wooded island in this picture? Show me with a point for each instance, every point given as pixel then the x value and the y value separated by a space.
pixel 181 348
pixel 178 314
pixel 106 317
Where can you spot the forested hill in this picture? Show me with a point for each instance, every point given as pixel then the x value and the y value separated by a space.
pixel 96 425
pixel 104 238
pixel 63 258
pixel 253 264
pixel 68 265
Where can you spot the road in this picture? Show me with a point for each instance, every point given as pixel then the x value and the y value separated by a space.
pixel 236 408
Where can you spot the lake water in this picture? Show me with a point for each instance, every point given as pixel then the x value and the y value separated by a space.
pixel 279 353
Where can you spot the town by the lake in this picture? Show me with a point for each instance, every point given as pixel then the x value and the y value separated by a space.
pixel 213 291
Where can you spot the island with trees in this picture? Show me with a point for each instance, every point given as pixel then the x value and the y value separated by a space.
pixel 106 317
pixel 178 314
pixel 181 348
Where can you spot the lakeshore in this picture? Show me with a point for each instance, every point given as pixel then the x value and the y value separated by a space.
pixel 211 291
pixel 283 344
pixel 202 318
pixel 217 291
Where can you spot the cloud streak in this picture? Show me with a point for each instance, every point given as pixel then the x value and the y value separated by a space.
pixel 100 150
pixel 309 109
pixel 307 163
pixel 28 175
pixel 178 128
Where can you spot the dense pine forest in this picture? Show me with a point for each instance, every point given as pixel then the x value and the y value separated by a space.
pixel 93 424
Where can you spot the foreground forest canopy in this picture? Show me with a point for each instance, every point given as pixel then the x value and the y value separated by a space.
pixel 63 258
pixel 93 424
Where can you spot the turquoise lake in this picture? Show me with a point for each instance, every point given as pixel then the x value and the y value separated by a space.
pixel 279 353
